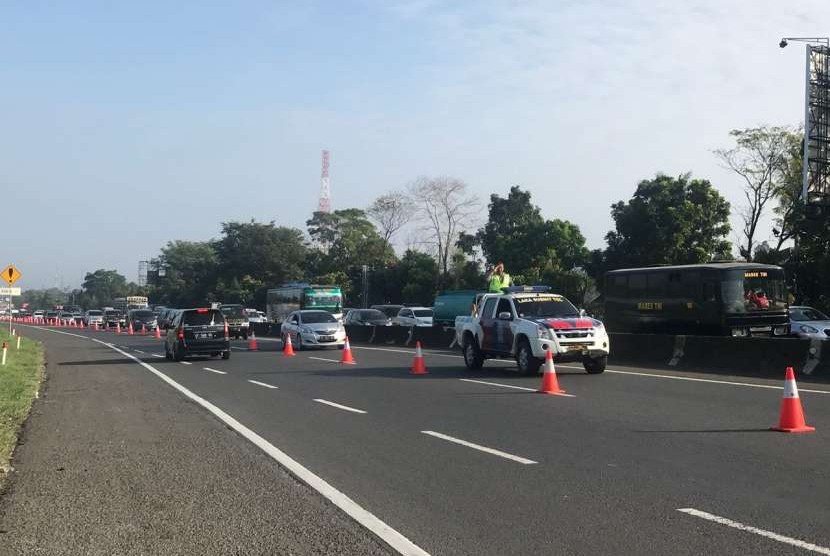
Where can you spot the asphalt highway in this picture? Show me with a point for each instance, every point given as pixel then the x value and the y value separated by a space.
pixel 635 461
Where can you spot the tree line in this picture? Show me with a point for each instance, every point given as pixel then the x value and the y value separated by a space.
pixel 668 220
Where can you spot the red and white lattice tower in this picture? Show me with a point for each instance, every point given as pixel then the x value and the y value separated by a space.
pixel 325 188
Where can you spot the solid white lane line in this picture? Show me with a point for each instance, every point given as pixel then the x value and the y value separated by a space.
pixel 390 536
pixel 324 359
pixel 234 348
pixel 481 448
pixel 338 406
pixel 749 529
pixel 497 384
pixel 258 383
pixel 185 362
pixel 652 375
pixel 139 351
pixel 157 355
pixel 407 351
pixel 214 371
pixel 709 380
pixel 509 386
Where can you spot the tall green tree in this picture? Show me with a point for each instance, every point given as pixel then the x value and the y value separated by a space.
pixel 253 256
pixel 761 157
pixel 669 221
pixel 190 274
pixel 528 244
pixel 102 286
pixel 350 240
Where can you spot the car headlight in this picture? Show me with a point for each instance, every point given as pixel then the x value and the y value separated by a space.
pixel 808 329
pixel 306 330
pixel 543 332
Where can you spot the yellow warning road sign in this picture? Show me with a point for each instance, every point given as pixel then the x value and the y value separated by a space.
pixel 10 274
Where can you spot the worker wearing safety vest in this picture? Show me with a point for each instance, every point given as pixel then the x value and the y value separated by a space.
pixel 497 278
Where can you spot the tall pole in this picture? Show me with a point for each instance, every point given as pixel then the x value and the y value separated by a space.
pixel 324 204
pixel 805 159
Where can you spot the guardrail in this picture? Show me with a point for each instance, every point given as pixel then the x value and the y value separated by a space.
pixel 709 354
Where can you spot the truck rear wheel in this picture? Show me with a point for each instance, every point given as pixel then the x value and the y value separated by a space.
pixel 595 366
pixel 528 364
pixel 472 355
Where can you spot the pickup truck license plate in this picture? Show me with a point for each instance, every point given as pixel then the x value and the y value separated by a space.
pixel 326 338
pixel 203 335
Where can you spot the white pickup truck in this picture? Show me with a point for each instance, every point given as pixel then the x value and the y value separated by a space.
pixel 524 323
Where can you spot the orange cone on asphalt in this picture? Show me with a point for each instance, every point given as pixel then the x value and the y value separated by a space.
pixel 418 366
pixel 130 330
pixel 792 414
pixel 118 328
pixel 287 348
pixel 81 325
pixel 157 334
pixel 550 384
pixel 252 346
pixel 95 326
pixel 347 354
pixel 143 329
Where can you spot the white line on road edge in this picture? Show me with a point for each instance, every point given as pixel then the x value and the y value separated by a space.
pixel 692 379
pixel 139 351
pixel 481 448
pixel 214 371
pixel 365 518
pixel 185 362
pixel 338 406
pixel 748 528
pixel 324 359
pixel 156 355
pixel 652 375
pixel 258 383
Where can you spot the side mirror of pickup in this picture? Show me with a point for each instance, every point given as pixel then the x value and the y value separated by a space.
pixel 505 315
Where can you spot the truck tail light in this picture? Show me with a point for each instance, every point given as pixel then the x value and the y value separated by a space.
pixel 180 333
pixel 227 333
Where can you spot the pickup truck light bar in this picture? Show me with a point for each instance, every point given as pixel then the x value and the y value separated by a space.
pixel 526 289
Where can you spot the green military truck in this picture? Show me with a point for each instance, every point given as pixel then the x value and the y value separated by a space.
pixel 454 303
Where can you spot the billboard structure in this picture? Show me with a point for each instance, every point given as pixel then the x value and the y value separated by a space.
pixel 816 178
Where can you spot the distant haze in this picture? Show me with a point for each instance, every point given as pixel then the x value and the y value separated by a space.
pixel 126 125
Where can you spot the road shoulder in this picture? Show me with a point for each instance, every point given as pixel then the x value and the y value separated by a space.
pixel 114 461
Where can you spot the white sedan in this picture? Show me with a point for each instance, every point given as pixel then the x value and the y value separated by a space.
pixel 313 328
pixel 807 322
pixel 414 316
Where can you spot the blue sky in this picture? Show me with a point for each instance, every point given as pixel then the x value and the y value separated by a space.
pixel 126 125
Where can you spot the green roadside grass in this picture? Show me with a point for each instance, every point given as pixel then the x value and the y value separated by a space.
pixel 19 383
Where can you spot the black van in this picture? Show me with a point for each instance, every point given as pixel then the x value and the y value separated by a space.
pixel 198 332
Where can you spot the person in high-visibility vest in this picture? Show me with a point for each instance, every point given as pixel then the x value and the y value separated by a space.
pixel 497 278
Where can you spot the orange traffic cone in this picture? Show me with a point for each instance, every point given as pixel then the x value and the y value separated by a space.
pixel 118 328
pixel 143 329
pixel 252 342
pixel 81 325
pixel 550 384
pixel 95 326
pixel 130 330
pixel 792 414
pixel 418 366
pixel 347 354
pixel 157 334
pixel 287 348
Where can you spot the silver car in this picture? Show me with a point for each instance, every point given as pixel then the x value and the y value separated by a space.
pixel 93 317
pixel 310 328
pixel 807 322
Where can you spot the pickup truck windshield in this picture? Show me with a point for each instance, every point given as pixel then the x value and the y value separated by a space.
pixel 544 307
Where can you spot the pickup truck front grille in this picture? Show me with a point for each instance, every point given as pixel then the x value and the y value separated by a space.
pixel 570 335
